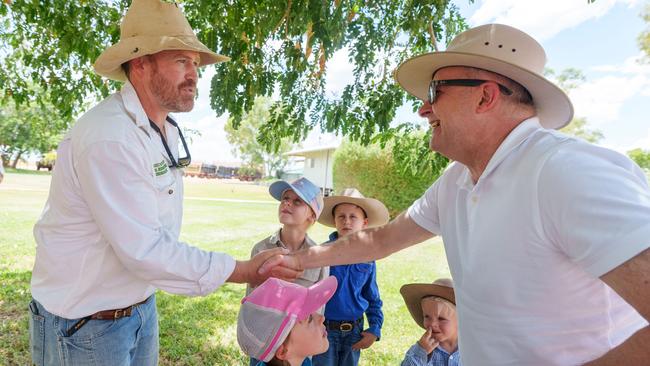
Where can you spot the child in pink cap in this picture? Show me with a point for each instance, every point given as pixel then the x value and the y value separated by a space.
pixel 278 323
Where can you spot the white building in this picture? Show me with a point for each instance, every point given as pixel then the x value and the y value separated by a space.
pixel 318 163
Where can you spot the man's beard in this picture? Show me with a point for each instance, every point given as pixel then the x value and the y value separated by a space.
pixel 170 97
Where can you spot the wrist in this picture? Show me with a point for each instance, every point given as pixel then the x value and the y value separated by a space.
pixel 239 273
pixel 420 350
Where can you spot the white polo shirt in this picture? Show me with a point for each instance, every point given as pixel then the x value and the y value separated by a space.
pixel 108 236
pixel 528 242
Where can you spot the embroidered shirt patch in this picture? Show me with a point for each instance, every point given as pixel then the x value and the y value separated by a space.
pixel 160 168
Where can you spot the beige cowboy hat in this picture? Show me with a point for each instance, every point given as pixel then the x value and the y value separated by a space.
pixel 414 292
pixel 497 48
pixel 151 26
pixel 375 210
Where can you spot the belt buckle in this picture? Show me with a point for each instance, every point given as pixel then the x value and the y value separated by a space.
pixel 346 327
pixel 121 313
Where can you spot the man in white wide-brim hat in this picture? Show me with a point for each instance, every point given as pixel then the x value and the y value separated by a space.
pixel 546 235
pixel 109 234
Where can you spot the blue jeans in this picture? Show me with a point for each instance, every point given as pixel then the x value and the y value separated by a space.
pixel 126 341
pixel 340 352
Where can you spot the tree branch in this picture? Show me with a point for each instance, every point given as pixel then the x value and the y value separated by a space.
pixel 433 37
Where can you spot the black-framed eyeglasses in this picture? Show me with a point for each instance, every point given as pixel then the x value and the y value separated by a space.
pixel 434 84
pixel 182 161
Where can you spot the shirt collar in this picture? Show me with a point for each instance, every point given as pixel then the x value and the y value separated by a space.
pixel 275 240
pixel 515 138
pixel 442 350
pixel 133 106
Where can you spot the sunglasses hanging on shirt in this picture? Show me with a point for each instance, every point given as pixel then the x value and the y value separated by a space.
pixel 182 161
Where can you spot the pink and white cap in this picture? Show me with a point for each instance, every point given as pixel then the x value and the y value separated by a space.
pixel 269 313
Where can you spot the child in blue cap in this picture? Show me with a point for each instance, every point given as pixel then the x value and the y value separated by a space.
pixel 301 203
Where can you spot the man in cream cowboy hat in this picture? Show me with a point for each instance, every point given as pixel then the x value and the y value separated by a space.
pixel 109 234
pixel 546 236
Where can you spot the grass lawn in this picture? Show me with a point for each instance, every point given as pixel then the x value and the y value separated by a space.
pixel 202 330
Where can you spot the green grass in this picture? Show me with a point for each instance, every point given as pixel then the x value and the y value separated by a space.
pixel 201 330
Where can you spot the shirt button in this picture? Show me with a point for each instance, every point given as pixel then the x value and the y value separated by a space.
pixel 171 191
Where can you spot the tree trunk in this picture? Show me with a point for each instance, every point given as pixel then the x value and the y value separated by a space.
pixel 15 162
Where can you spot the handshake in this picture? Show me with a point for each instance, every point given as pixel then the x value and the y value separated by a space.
pixel 278 263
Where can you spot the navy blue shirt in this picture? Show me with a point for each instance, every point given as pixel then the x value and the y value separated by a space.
pixel 357 293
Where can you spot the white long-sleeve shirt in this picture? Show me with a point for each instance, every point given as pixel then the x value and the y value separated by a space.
pixel 108 236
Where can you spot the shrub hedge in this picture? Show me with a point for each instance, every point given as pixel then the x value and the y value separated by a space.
pixel 379 173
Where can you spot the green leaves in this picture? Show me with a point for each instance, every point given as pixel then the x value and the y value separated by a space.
pixel 644 37
pixel 281 49
pixel 52 44
pixel 34 127
pixel 641 157
pixel 244 138
pixel 284 49
pixel 380 172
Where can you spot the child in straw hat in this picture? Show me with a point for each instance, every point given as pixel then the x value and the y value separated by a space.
pixel 358 293
pixel 433 307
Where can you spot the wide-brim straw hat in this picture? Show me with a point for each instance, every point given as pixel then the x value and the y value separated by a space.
pixel 151 26
pixel 414 292
pixel 375 210
pixel 501 49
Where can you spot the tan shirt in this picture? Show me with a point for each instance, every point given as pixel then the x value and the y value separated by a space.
pixel 309 276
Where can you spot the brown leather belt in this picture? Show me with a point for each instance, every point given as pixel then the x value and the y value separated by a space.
pixel 117 313
pixel 104 315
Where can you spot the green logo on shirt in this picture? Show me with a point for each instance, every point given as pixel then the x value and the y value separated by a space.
pixel 160 168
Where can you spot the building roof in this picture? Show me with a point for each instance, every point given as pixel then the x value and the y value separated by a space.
pixel 308 151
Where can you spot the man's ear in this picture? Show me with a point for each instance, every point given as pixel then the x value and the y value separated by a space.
pixel 282 352
pixel 137 65
pixel 489 95
pixel 137 62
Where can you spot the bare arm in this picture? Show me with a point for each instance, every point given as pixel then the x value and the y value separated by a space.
pixel 631 281
pixel 362 246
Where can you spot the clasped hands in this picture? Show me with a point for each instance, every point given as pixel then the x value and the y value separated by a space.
pixel 277 262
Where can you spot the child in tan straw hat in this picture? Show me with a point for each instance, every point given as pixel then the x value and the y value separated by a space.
pixel 358 293
pixel 433 307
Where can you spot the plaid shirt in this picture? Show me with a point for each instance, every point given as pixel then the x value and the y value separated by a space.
pixel 417 356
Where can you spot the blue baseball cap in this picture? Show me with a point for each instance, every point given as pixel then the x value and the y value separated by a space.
pixel 304 188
